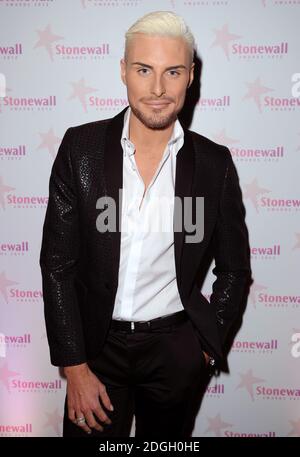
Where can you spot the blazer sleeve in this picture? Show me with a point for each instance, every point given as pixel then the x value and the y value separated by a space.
pixel 231 253
pixel 59 255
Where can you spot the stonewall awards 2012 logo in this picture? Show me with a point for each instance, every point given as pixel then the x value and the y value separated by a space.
pixel 32 103
pixel 10 198
pixel 17 429
pixel 255 346
pixel 261 199
pixel 15 341
pixel 221 103
pixel 234 45
pixel 11 51
pixel 11 292
pixel 13 381
pixel 257 93
pixel 256 154
pixel 81 92
pixel 277 300
pixel 256 388
pixel 35 385
pixel 51 43
pixel 13 151
pixel 14 248
pixel 219 427
pixel 261 296
pixel 216 391
pixel 52 423
pixel 241 434
pixel 265 252
pixel 47 140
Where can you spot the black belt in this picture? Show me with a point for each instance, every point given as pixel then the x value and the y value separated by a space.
pixel 147 326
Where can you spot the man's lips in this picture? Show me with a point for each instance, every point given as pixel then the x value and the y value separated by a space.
pixel 160 103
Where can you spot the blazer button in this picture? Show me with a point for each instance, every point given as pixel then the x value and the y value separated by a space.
pixel 107 285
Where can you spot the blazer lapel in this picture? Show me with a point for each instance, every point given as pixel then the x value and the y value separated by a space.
pixel 113 170
pixel 183 188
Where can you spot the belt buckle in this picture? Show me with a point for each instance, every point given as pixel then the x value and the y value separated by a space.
pixel 132 326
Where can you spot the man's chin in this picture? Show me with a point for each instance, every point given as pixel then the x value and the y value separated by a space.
pixel 155 122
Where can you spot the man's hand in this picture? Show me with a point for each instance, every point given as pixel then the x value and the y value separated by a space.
pixel 83 391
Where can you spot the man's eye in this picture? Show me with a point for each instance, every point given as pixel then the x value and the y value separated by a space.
pixel 143 70
pixel 174 72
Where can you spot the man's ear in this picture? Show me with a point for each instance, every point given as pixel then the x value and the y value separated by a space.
pixel 191 76
pixel 123 70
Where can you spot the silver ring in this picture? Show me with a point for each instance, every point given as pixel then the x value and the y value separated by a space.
pixel 80 420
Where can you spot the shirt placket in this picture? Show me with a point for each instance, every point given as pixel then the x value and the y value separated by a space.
pixel 133 215
pixel 136 216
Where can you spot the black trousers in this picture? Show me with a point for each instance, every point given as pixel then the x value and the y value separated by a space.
pixel 154 376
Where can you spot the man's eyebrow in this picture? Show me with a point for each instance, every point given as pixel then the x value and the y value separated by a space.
pixel 149 66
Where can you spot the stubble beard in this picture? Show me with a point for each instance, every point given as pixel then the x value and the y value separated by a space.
pixel 156 121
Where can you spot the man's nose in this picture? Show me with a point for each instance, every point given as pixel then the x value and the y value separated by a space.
pixel 158 87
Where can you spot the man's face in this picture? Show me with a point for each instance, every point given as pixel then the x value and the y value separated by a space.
pixel 157 74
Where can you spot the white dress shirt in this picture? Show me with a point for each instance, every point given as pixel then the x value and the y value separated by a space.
pixel 147 286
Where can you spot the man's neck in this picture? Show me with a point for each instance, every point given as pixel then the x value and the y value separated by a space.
pixel 148 139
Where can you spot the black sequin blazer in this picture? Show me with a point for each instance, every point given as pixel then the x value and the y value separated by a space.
pixel 79 264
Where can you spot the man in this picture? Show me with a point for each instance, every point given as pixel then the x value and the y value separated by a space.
pixel 124 315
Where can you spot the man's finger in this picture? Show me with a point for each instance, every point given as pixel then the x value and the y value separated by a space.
pixel 105 398
pixel 81 422
pixel 92 423
pixel 71 414
pixel 100 414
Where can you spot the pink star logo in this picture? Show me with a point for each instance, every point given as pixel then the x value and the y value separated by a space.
pixel 224 38
pixel 216 424
pixel 6 374
pixel 54 420
pixel 46 39
pixel 252 191
pixel 4 188
pixel 49 140
pixel 297 245
pixel 248 381
pixel 254 289
pixel 255 92
pixel 296 428
pixel 223 138
pixel 80 91
pixel 4 283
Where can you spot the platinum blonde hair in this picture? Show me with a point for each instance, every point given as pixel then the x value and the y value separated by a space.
pixel 161 23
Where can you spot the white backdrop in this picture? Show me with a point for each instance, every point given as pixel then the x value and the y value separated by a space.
pixel 60 60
